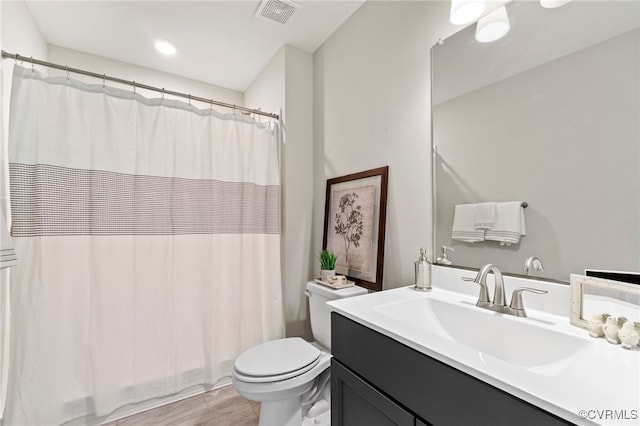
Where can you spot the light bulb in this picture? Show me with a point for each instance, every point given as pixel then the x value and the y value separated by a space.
pixel 493 26
pixel 552 4
pixel 465 11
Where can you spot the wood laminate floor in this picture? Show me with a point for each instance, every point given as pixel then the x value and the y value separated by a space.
pixel 219 407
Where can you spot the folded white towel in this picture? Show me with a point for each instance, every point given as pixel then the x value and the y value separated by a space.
pixel 464 224
pixel 509 224
pixel 7 253
pixel 485 215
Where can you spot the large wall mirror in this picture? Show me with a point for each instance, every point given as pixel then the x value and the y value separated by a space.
pixel 549 115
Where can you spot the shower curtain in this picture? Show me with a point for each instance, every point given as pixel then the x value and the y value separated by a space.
pixel 148 233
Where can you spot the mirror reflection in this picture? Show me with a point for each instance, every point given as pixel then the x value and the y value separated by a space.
pixel 547 115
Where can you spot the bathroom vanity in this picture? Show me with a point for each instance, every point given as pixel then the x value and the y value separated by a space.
pixel 409 358
pixel 407 386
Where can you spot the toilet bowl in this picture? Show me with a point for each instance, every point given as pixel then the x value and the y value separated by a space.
pixel 290 377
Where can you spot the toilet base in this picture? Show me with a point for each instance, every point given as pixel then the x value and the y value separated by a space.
pixel 319 414
pixel 287 412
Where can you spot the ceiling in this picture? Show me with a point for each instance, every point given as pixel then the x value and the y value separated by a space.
pixel 218 42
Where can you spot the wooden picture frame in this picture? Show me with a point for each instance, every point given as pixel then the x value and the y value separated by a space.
pixel 354 225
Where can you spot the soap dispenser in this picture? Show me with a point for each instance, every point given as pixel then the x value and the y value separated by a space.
pixel 443 259
pixel 423 272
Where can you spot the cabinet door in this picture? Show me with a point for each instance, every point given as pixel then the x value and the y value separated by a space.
pixel 355 403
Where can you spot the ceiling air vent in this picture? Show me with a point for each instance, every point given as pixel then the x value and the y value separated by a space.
pixel 279 11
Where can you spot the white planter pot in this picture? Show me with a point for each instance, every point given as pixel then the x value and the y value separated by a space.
pixel 326 275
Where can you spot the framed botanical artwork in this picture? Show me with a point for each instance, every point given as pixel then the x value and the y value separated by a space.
pixel 354 223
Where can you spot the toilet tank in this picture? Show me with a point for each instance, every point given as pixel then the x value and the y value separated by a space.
pixel 320 312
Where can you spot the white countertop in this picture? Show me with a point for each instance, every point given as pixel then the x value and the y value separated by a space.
pixel 599 384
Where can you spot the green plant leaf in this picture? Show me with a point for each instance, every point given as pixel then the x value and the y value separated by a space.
pixel 328 260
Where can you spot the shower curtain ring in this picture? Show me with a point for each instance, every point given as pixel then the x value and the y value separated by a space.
pixel 32 70
pixel 189 99
pixel 163 93
pixel 104 80
pixel 211 104
pixel 134 87
pixel 66 68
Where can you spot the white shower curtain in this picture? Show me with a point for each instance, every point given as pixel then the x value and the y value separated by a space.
pixel 148 233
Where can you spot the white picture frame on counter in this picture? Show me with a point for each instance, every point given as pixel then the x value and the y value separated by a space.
pixel 615 298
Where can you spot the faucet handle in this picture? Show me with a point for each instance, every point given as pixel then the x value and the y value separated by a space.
pixel 516 297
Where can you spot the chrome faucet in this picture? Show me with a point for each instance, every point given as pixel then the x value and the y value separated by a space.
pixel 499 304
pixel 532 263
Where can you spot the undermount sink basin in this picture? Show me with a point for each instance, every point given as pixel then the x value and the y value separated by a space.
pixel 519 341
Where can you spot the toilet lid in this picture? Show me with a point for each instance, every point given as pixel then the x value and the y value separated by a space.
pixel 277 358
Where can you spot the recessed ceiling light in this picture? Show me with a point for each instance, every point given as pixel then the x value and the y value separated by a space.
pixel 164 47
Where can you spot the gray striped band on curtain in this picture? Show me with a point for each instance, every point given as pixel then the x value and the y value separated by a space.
pixel 52 200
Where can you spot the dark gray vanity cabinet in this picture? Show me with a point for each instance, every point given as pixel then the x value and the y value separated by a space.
pixel 355 402
pixel 376 380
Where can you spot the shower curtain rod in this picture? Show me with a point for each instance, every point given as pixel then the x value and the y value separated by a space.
pixel 32 61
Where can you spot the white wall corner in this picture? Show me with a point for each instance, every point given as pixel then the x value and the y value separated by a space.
pixel 285 84
pixel 298 179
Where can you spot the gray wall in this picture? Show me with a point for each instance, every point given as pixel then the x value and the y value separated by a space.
pixel 574 159
pixel 372 108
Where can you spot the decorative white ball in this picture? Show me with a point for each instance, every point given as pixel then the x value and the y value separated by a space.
pixel 610 330
pixel 595 325
pixel 629 335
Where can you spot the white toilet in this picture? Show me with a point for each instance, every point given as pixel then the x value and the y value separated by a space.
pixel 290 377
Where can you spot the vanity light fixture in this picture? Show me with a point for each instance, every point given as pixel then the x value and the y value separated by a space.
pixel 465 11
pixel 552 4
pixel 165 47
pixel 493 26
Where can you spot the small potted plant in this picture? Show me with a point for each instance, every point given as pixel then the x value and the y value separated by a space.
pixel 327 265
